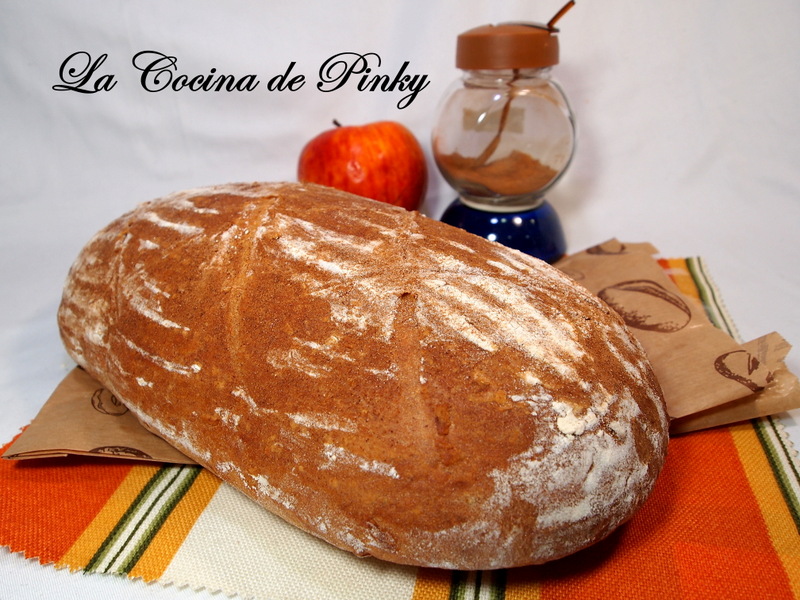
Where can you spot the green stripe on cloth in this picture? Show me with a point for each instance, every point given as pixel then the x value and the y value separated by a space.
pixel 478 579
pixel 458 585
pixel 478 585
pixel 498 589
pixel 709 294
pixel 777 448
pixel 785 469
pixel 134 532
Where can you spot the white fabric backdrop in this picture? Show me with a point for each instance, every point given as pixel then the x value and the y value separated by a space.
pixel 689 137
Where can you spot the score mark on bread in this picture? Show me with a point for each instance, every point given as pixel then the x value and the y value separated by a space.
pixel 388 383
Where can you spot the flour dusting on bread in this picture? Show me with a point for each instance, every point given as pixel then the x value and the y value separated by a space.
pixel 393 385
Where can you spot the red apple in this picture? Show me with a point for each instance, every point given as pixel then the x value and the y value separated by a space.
pixel 381 160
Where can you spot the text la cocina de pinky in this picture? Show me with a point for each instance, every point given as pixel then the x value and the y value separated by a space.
pixel 82 73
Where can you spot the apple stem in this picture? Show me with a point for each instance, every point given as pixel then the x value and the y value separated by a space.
pixel 336 123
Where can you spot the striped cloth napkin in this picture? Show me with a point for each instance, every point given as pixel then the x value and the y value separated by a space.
pixel 723 522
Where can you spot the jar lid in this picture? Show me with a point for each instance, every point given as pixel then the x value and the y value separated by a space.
pixel 507 46
pixel 510 45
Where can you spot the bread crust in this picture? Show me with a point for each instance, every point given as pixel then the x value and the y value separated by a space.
pixel 388 383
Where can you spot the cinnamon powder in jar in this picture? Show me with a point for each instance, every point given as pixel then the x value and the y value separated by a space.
pixel 513 175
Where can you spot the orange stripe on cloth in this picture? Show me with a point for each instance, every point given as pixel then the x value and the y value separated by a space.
pixel 173 532
pixel 779 522
pixel 677 270
pixel 432 584
pixel 84 548
pixel 33 494
pixel 700 535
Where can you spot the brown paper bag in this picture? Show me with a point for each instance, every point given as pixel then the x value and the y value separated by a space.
pixel 701 368
pixel 780 395
pixel 83 418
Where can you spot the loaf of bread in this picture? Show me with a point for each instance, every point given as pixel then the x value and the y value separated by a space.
pixel 395 386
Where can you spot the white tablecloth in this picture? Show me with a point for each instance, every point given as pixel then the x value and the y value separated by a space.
pixel 689 138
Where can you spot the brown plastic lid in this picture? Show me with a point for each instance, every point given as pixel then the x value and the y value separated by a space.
pixel 510 45
pixel 507 46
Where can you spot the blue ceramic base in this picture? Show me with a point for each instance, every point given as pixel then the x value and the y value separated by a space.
pixel 536 232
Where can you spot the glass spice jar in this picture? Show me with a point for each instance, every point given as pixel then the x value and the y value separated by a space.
pixel 505 134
